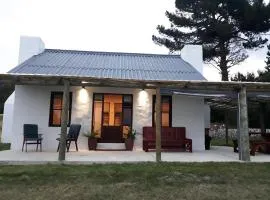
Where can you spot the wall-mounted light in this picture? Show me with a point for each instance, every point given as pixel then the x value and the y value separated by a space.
pixel 83 96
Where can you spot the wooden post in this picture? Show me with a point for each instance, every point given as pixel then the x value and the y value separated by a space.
pixel 262 117
pixel 226 117
pixel 158 125
pixel 64 122
pixel 243 126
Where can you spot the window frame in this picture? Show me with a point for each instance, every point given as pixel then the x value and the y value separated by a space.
pixel 53 94
pixel 153 109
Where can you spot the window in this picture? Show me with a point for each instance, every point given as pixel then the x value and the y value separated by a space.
pixel 56 108
pixel 166 111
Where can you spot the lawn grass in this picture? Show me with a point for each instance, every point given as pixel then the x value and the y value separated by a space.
pixel 136 181
pixel 221 142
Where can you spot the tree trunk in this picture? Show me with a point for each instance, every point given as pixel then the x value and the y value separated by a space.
pixel 224 74
pixel 223 63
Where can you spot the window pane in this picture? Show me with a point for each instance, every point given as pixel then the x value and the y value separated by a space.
pixel 127 100
pixel 165 111
pixel 98 97
pixel 117 114
pixel 56 117
pixel 117 119
pixel 165 118
pixel 97 117
pixel 127 112
pixel 57 101
pixel 165 107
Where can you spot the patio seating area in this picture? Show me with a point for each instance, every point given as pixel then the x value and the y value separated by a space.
pixel 216 154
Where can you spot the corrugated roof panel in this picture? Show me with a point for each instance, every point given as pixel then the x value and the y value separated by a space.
pixel 109 65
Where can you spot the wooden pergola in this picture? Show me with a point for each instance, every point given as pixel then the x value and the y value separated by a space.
pixel 237 90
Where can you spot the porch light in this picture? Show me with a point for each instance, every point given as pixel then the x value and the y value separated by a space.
pixel 83 95
pixel 85 82
pixel 142 98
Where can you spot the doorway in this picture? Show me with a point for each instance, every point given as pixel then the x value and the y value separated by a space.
pixel 112 117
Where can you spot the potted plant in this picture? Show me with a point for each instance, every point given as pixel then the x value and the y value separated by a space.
pixel 129 141
pixel 92 140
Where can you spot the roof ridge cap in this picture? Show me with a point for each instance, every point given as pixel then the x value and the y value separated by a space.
pixel 112 53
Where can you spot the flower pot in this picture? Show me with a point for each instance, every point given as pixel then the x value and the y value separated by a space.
pixel 129 143
pixel 92 143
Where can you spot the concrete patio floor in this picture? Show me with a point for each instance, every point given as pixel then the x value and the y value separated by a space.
pixel 216 154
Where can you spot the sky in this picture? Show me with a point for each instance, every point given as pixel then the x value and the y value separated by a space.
pixel 95 25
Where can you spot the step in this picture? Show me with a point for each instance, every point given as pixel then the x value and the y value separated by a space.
pixel 111 146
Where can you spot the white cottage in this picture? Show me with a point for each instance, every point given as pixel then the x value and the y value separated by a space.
pixel 99 106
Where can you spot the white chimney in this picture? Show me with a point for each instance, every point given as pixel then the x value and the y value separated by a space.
pixel 193 54
pixel 30 46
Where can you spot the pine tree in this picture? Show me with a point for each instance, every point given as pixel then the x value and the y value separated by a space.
pixel 225 29
pixel 267 62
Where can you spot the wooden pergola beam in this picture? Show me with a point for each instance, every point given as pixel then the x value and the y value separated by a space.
pixel 158 125
pixel 203 85
pixel 64 121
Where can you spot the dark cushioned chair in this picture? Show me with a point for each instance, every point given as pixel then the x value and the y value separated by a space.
pixel 72 135
pixel 31 136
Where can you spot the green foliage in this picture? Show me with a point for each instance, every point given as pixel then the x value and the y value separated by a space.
pixel 263 76
pixel 91 134
pixel 5 92
pixel 267 62
pixel 249 77
pixel 4 146
pixel 225 28
pixel 132 134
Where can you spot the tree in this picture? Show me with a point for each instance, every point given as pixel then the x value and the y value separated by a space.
pixel 224 28
pixel 267 62
pixel 264 76
pixel 249 77
pixel 5 92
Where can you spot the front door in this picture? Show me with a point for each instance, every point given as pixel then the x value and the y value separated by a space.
pixel 112 117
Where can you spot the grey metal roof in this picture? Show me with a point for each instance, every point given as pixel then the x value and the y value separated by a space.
pixel 108 65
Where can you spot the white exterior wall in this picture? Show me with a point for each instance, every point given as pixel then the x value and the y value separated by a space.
pixel 32 105
pixel 189 112
pixel 207 118
pixel 8 119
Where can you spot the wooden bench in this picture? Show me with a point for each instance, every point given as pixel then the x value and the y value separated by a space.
pixel 171 138
pixel 254 144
